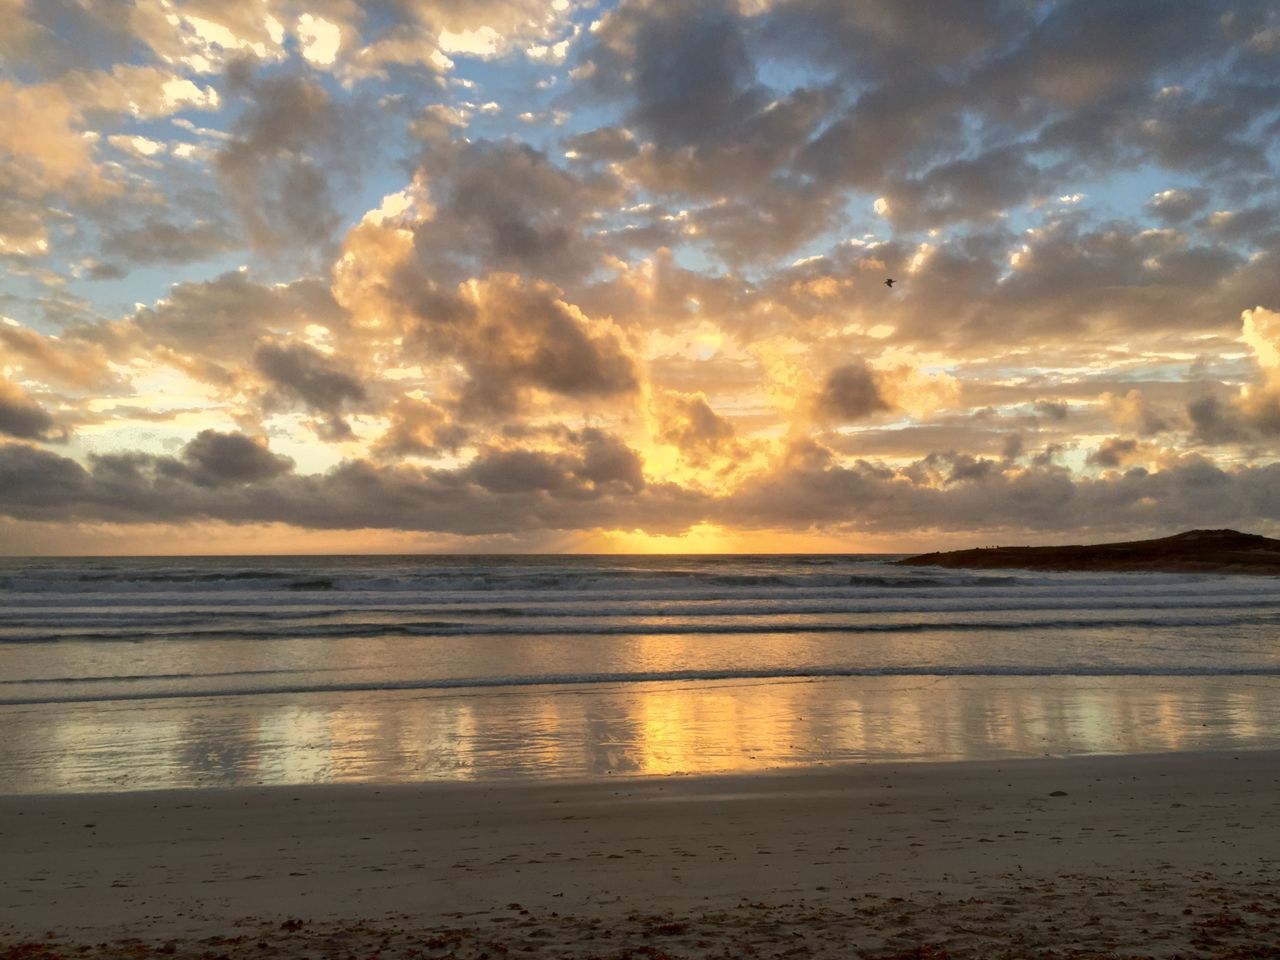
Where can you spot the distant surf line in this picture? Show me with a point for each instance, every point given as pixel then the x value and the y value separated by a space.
pixel 356 631
pixel 578 680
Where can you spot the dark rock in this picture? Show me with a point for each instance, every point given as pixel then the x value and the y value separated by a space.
pixel 1196 551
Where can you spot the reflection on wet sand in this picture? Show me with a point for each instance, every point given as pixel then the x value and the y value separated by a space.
pixel 611 730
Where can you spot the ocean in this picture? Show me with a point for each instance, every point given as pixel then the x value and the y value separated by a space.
pixel 143 673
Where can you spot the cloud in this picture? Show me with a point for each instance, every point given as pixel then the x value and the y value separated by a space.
pixel 593 483
pixel 1213 421
pixel 1178 206
pixel 142 91
pixel 72 361
pixel 630 273
pixel 1256 224
pixel 510 336
pixel 46 157
pixel 850 393
pixel 427 34
pixel 1114 452
pixel 216 459
pixel 22 417
pixel 981 188
pixel 1254 413
pixel 596 463
pixel 420 428
pixel 210 328
pixel 688 422
pixel 1072 284
pixel 37 484
pixel 158 240
pixel 1035 500
pixel 525 335
pixel 301 374
pixel 706 126
pixel 1132 412
pixel 692 78
pixel 499 206
pixel 1260 403
pixel 276 169
pixel 1053 409
pixel 1077 56
pixel 40 134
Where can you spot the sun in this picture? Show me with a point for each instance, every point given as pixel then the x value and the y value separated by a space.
pixel 713 538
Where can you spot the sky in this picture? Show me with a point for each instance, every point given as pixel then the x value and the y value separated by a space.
pixel 291 276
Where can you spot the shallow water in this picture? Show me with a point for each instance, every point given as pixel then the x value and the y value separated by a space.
pixel 129 674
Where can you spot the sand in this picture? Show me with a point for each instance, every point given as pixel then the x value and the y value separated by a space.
pixel 1167 855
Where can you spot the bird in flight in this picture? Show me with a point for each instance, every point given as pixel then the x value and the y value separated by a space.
pixel 889 282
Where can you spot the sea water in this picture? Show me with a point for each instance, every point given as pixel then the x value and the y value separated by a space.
pixel 132 673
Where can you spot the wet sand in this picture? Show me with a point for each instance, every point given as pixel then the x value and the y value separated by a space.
pixel 1162 855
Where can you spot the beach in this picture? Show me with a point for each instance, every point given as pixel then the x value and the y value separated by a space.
pixel 605 757
pixel 1161 855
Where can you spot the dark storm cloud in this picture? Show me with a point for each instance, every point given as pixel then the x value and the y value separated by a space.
pixel 849 393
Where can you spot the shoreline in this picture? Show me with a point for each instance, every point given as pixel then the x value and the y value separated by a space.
pixel 700 782
pixel 658 729
pixel 1097 835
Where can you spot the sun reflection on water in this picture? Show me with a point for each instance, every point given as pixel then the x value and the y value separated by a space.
pixel 622 729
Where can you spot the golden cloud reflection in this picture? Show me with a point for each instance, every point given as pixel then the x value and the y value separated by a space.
pixel 625 729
